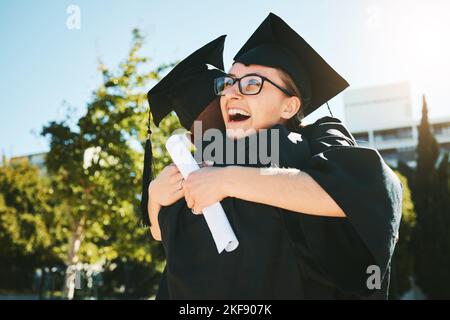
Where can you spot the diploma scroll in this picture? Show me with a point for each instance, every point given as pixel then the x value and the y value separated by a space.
pixel 216 219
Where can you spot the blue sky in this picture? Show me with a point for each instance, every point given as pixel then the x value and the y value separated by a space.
pixel 369 42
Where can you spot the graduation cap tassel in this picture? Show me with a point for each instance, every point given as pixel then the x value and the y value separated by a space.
pixel 146 178
pixel 329 110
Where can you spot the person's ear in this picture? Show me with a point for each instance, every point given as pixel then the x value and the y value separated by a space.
pixel 290 108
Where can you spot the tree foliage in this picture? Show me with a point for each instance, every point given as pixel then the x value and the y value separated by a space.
pixel 96 168
pixel 431 196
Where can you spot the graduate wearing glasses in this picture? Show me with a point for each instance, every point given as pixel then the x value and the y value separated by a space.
pixel 308 229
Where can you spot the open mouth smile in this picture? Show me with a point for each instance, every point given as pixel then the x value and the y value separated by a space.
pixel 238 115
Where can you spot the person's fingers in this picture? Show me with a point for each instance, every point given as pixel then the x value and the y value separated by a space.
pixel 169 167
pixel 178 185
pixel 173 170
pixel 176 178
pixel 178 194
pixel 189 202
pixel 187 183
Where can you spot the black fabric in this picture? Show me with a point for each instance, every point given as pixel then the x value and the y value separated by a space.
pixel 290 255
pixel 275 44
pixel 361 183
pixel 189 87
pixel 195 270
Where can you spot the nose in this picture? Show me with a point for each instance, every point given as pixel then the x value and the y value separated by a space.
pixel 233 91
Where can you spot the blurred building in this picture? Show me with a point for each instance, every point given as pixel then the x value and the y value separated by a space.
pixel 381 118
pixel 37 159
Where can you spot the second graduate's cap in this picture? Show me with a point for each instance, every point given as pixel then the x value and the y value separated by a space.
pixel 189 87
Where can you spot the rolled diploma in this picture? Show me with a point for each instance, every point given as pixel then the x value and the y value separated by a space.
pixel 178 147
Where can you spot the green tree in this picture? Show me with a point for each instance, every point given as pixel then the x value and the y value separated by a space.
pixel 403 259
pixel 434 277
pixel 96 168
pixel 431 195
pixel 427 155
pixel 26 224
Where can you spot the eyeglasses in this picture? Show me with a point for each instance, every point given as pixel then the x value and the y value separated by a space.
pixel 250 84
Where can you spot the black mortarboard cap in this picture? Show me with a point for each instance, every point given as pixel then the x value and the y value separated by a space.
pixel 188 89
pixel 275 44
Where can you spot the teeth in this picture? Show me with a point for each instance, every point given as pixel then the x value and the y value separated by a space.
pixel 233 112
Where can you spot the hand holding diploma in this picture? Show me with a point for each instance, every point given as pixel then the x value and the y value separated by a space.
pixel 223 235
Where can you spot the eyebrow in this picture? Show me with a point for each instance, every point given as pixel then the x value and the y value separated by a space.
pixel 247 74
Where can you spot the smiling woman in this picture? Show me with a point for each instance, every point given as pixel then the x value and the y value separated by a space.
pixel 260 108
pixel 311 227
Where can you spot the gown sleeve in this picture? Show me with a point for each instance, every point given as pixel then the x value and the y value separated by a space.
pixel 368 192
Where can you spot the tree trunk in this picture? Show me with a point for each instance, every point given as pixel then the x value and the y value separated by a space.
pixel 72 259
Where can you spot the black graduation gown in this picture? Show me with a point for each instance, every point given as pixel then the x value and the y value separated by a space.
pixel 289 255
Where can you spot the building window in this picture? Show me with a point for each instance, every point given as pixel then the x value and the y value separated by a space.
pixel 398 154
pixel 393 134
pixel 362 138
pixel 441 129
